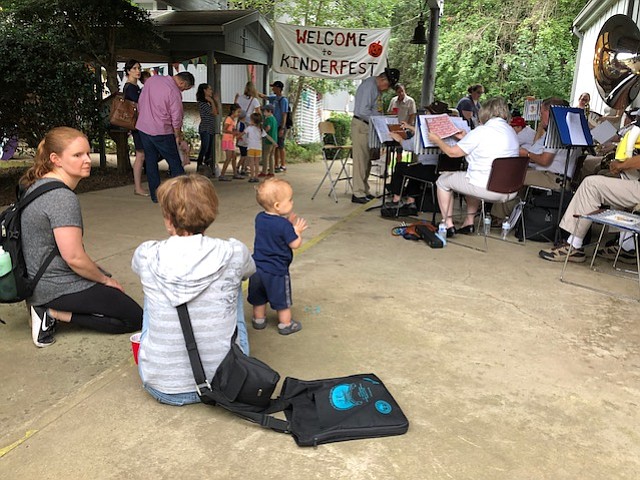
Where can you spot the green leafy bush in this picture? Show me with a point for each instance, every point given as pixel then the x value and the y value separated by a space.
pixel 308 153
pixel 192 137
pixel 342 124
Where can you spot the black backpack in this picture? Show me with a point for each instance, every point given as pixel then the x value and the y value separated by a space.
pixel 289 123
pixel 16 285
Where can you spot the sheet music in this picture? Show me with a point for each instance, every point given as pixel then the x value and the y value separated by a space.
pixel 442 126
pixel 379 129
pixel 422 130
pixel 568 127
pixel 552 138
pixel 603 132
pixel 532 110
pixel 575 129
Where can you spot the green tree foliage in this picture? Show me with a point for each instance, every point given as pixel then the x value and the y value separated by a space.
pixel 514 48
pixel 42 86
pixel 49 48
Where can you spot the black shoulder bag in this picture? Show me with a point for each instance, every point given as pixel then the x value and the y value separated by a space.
pixel 316 411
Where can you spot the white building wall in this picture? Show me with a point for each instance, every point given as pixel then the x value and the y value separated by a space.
pixel 307 117
pixel 584 80
pixel 338 102
pixel 235 77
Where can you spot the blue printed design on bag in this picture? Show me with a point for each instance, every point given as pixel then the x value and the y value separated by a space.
pixel 367 379
pixel 349 395
pixel 383 407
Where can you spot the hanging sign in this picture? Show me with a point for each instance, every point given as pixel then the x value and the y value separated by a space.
pixel 325 52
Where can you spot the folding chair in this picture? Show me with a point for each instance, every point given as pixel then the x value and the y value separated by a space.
pixel 507 176
pixel 332 153
pixel 445 164
pixel 623 221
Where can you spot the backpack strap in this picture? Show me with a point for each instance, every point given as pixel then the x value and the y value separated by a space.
pixel 23 201
pixel 45 264
pixel 203 386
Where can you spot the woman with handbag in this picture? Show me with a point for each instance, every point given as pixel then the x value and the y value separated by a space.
pixel 73 287
pixel 189 268
pixel 131 91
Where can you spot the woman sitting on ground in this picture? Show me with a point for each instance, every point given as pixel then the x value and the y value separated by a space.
pixel 73 288
pixel 494 138
pixel 189 267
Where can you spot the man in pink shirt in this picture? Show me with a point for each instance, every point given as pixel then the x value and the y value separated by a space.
pixel 160 124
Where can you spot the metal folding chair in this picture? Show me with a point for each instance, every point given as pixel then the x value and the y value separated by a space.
pixel 333 153
pixel 507 176
pixel 623 221
pixel 445 164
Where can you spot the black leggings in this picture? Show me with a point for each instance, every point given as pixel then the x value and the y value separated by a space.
pixel 425 172
pixel 101 308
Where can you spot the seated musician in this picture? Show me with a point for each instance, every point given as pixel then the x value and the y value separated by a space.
pixel 493 138
pixel 593 192
pixel 424 168
pixel 546 165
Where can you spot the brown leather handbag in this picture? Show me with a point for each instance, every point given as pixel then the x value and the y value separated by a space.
pixel 124 113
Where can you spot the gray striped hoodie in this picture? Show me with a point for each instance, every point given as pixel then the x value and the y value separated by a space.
pixel 203 272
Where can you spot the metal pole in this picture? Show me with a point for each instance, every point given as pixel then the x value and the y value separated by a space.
pixel 101 106
pixel 430 58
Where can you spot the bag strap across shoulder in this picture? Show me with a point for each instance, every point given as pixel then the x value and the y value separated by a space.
pixel 192 349
pixel 23 201
pixel 203 386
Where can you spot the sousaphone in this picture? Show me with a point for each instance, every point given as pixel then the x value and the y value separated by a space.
pixel 616 63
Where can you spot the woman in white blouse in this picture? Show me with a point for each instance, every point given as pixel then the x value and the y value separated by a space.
pixel 494 138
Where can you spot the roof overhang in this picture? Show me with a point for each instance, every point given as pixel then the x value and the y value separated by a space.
pixel 232 36
pixel 591 12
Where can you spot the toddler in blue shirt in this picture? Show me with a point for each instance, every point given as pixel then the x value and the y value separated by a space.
pixel 278 233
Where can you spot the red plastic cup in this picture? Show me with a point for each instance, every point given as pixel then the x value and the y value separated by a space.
pixel 135 346
pixel 394 110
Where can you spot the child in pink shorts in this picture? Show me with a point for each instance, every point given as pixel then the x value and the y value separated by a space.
pixel 229 135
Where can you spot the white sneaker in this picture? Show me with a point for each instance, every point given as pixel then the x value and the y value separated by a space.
pixel 43 327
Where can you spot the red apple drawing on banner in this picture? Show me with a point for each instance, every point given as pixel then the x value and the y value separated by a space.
pixel 375 49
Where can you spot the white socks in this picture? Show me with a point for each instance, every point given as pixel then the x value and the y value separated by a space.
pixel 574 241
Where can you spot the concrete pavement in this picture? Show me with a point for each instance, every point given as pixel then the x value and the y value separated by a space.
pixel 503 371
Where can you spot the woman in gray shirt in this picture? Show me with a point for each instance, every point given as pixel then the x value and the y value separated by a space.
pixel 73 288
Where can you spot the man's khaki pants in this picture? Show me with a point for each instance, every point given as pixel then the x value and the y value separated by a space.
pixel 361 157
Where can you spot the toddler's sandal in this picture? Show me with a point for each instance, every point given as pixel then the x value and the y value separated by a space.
pixel 293 327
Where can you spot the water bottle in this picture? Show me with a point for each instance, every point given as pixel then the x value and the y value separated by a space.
pixel 442 232
pixel 5 262
pixel 7 281
pixel 506 227
pixel 487 225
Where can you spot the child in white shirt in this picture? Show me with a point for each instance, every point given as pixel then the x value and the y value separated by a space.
pixel 253 135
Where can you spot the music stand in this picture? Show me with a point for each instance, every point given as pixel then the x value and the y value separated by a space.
pixel 379 136
pixel 568 128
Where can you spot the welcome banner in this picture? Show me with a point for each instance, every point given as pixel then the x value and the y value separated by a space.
pixel 330 52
